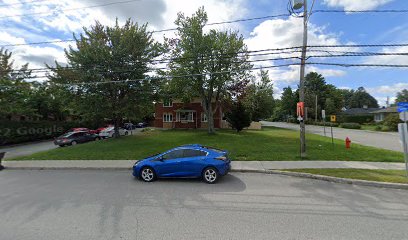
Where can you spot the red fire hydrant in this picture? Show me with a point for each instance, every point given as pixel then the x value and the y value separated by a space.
pixel 348 142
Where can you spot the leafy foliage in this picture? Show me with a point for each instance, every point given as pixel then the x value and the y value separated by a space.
pixel 214 62
pixel 238 116
pixel 402 96
pixel 391 121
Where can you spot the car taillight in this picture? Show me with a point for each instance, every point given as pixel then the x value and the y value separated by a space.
pixel 222 158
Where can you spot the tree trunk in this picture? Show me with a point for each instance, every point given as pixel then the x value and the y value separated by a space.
pixel 116 123
pixel 210 119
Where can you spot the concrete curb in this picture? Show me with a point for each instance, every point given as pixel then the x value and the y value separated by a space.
pixel 341 180
pixel 292 174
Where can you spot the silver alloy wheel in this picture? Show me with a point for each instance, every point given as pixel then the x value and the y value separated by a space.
pixel 97 139
pixel 73 143
pixel 147 174
pixel 210 175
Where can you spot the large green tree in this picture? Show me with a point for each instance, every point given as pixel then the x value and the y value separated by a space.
pixel 287 106
pixel 402 96
pixel 14 89
pixel 108 71
pixel 362 98
pixel 210 61
pixel 259 97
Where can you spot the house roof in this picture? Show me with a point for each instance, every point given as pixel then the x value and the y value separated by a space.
pixel 386 110
pixel 359 111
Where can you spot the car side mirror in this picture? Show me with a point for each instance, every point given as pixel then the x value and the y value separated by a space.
pixel 161 158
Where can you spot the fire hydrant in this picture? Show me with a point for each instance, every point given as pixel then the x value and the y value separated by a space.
pixel 348 142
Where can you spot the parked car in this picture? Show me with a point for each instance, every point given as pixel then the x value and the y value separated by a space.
pixel 142 125
pixel 102 128
pixel 110 131
pixel 188 161
pixel 73 138
pixel 129 126
pixel 82 130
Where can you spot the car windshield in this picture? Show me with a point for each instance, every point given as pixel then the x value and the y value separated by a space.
pixel 65 135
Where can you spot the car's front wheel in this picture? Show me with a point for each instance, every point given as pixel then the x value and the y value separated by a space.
pixel 74 143
pixel 147 174
pixel 210 175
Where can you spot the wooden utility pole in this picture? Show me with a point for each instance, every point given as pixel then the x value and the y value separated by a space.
pixel 302 80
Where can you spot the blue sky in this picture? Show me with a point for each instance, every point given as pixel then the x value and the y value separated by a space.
pixel 325 28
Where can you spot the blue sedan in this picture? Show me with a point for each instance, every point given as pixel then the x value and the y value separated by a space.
pixel 188 161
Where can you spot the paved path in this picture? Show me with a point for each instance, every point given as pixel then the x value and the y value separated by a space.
pixel 101 205
pixel 236 165
pixel 25 149
pixel 385 140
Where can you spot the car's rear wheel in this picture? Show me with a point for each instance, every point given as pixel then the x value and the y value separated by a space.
pixel 147 174
pixel 97 139
pixel 74 143
pixel 210 175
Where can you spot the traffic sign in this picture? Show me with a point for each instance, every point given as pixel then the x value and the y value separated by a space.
pixel 324 114
pixel 300 109
pixel 402 107
pixel 332 118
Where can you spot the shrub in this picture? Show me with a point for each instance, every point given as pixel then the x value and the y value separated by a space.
pixel 355 119
pixel 391 121
pixel 351 125
pixel 238 117
pixel 378 128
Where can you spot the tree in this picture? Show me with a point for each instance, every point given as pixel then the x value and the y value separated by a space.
pixel 347 94
pixel 211 61
pixel 315 86
pixel 289 100
pixel 238 116
pixel 259 97
pixel 14 90
pixel 402 96
pixel 107 77
pixel 362 98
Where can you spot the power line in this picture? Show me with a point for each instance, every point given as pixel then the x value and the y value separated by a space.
pixel 362 11
pixel 70 9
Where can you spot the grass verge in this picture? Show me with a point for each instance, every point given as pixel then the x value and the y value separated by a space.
pixel 269 144
pixel 392 176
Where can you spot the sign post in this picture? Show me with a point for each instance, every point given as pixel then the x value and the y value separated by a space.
pixel 403 130
pixel 324 121
pixel 332 120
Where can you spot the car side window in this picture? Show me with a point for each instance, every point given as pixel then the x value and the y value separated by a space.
pixel 194 153
pixel 173 154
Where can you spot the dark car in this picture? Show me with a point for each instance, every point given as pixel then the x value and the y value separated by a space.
pixel 142 125
pixel 188 161
pixel 83 130
pixel 73 138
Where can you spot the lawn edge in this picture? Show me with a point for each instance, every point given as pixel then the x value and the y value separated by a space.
pixel 340 180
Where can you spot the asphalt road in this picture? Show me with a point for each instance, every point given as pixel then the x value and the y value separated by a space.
pixel 385 140
pixel 112 205
pixel 27 149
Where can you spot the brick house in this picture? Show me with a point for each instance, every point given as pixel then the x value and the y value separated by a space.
pixel 176 114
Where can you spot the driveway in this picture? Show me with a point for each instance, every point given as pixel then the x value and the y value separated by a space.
pixel 102 205
pixel 25 149
pixel 385 140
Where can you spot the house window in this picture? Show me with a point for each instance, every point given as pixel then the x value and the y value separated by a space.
pixel 186 117
pixel 204 117
pixel 167 117
pixel 168 103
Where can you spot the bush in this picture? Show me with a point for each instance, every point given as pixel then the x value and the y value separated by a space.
pixel 351 125
pixel 391 122
pixel 238 117
pixel 355 119
pixel 12 132
pixel 378 128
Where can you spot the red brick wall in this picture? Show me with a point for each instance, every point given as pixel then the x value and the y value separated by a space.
pixel 160 110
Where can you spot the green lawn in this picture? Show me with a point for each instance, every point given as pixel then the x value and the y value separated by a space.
pixel 393 176
pixel 267 144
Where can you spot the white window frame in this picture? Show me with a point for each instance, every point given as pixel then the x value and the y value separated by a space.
pixel 190 117
pixel 204 117
pixel 167 117
pixel 169 103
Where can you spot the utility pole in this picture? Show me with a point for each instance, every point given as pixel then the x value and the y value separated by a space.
pixel 316 110
pixel 302 80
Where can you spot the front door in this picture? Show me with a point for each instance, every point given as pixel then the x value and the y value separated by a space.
pixel 170 164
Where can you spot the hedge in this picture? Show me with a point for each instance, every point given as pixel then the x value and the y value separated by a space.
pixel 350 125
pixel 12 132
pixel 355 118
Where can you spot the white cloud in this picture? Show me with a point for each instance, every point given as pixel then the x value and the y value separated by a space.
pixel 282 33
pixel 356 4
pixel 7 38
pixel 390 90
pixel 390 59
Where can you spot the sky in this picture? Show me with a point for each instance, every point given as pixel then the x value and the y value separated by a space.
pixel 29 21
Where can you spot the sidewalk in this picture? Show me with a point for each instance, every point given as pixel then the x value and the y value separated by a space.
pixel 236 165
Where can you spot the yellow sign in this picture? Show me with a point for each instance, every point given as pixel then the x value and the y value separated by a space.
pixel 332 118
